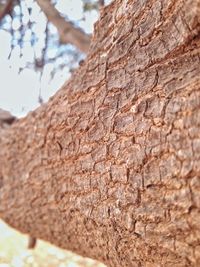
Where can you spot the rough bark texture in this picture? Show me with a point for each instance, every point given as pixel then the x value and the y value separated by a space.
pixel 68 33
pixel 110 166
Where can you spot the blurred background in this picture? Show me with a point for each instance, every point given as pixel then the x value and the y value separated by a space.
pixel 35 59
pixel 14 252
pixel 41 43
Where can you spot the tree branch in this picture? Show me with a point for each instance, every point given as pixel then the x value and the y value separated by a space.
pixel 67 31
pixel 109 167
pixel 101 3
pixel 6 8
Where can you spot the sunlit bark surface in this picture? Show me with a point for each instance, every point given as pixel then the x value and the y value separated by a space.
pixel 110 166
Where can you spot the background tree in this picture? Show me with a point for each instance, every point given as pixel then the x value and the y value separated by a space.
pixel 57 41
pixel 109 167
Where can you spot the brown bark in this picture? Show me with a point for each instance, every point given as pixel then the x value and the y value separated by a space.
pixel 101 3
pixel 6 8
pixel 6 118
pixel 32 242
pixel 68 33
pixel 110 166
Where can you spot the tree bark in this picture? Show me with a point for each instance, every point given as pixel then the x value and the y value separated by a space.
pixel 68 33
pixel 6 118
pixel 101 3
pixel 110 166
pixel 6 8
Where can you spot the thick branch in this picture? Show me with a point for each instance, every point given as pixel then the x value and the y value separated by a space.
pixel 101 3
pixel 67 31
pixel 6 8
pixel 109 167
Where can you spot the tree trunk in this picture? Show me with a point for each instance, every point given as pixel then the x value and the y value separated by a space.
pixel 110 166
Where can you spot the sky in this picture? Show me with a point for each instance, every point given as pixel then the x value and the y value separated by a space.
pixel 19 92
